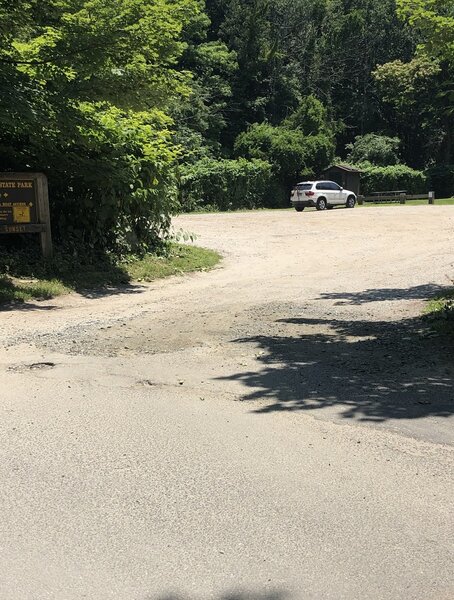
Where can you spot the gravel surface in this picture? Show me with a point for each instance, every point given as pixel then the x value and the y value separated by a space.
pixel 280 427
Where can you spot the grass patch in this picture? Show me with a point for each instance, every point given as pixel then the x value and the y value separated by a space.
pixel 17 290
pixel 440 202
pixel 27 277
pixel 181 259
pixel 440 312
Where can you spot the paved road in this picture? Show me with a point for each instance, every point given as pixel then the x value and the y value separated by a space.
pixel 278 428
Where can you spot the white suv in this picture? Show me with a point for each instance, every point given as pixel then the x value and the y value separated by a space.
pixel 322 195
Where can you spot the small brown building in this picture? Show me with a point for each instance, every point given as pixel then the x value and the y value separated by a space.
pixel 346 176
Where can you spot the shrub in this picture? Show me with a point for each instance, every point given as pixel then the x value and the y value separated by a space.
pixel 224 184
pixel 117 192
pixel 441 180
pixel 395 177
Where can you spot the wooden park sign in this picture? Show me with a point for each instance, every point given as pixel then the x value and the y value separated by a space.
pixel 24 206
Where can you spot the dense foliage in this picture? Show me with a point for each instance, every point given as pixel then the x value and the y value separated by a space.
pixel 373 148
pixel 85 85
pixel 441 180
pixel 132 107
pixel 392 178
pixel 300 146
pixel 224 184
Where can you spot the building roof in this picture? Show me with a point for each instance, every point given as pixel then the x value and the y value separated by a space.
pixel 347 168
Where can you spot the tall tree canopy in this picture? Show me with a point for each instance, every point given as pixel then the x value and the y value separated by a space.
pixel 435 20
pixel 122 102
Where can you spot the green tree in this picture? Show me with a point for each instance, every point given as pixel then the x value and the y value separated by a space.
pixel 201 118
pixel 310 117
pixel 413 108
pixel 289 49
pixel 434 19
pixel 88 86
pixel 376 149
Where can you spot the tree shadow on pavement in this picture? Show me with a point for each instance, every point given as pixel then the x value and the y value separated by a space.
pixel 419 292
pixel 229 596
pixel 368 370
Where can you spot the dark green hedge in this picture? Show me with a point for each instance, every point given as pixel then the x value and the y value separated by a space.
pixel 213 184
pixel 394 177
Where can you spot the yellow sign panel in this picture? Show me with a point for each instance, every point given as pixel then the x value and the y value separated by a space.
pixel 21 214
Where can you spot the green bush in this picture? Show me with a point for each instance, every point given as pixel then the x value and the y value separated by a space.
pixel 212 184
pixel 111 188
pixel 395 177
pixel 118 191
pixel 441 180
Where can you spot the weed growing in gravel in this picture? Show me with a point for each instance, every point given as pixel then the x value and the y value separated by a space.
pixel 16 290
pixel 440 312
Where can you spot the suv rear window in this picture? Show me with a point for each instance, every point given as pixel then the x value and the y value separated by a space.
pixel 302 187
pixel 328 185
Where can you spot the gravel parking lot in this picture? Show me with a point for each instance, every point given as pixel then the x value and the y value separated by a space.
pixel 280 426
pixel 331 301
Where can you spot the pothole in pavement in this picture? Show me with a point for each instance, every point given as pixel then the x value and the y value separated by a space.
pixel 38 366
pixel 146 383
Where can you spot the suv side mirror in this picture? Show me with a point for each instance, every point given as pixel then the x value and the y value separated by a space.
pixel 342 189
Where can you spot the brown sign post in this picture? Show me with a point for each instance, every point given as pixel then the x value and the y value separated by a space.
pixel 24 206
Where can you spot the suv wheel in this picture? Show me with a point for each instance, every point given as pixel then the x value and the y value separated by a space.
pixel 299 208
pixel 321 204
pixel 351 201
